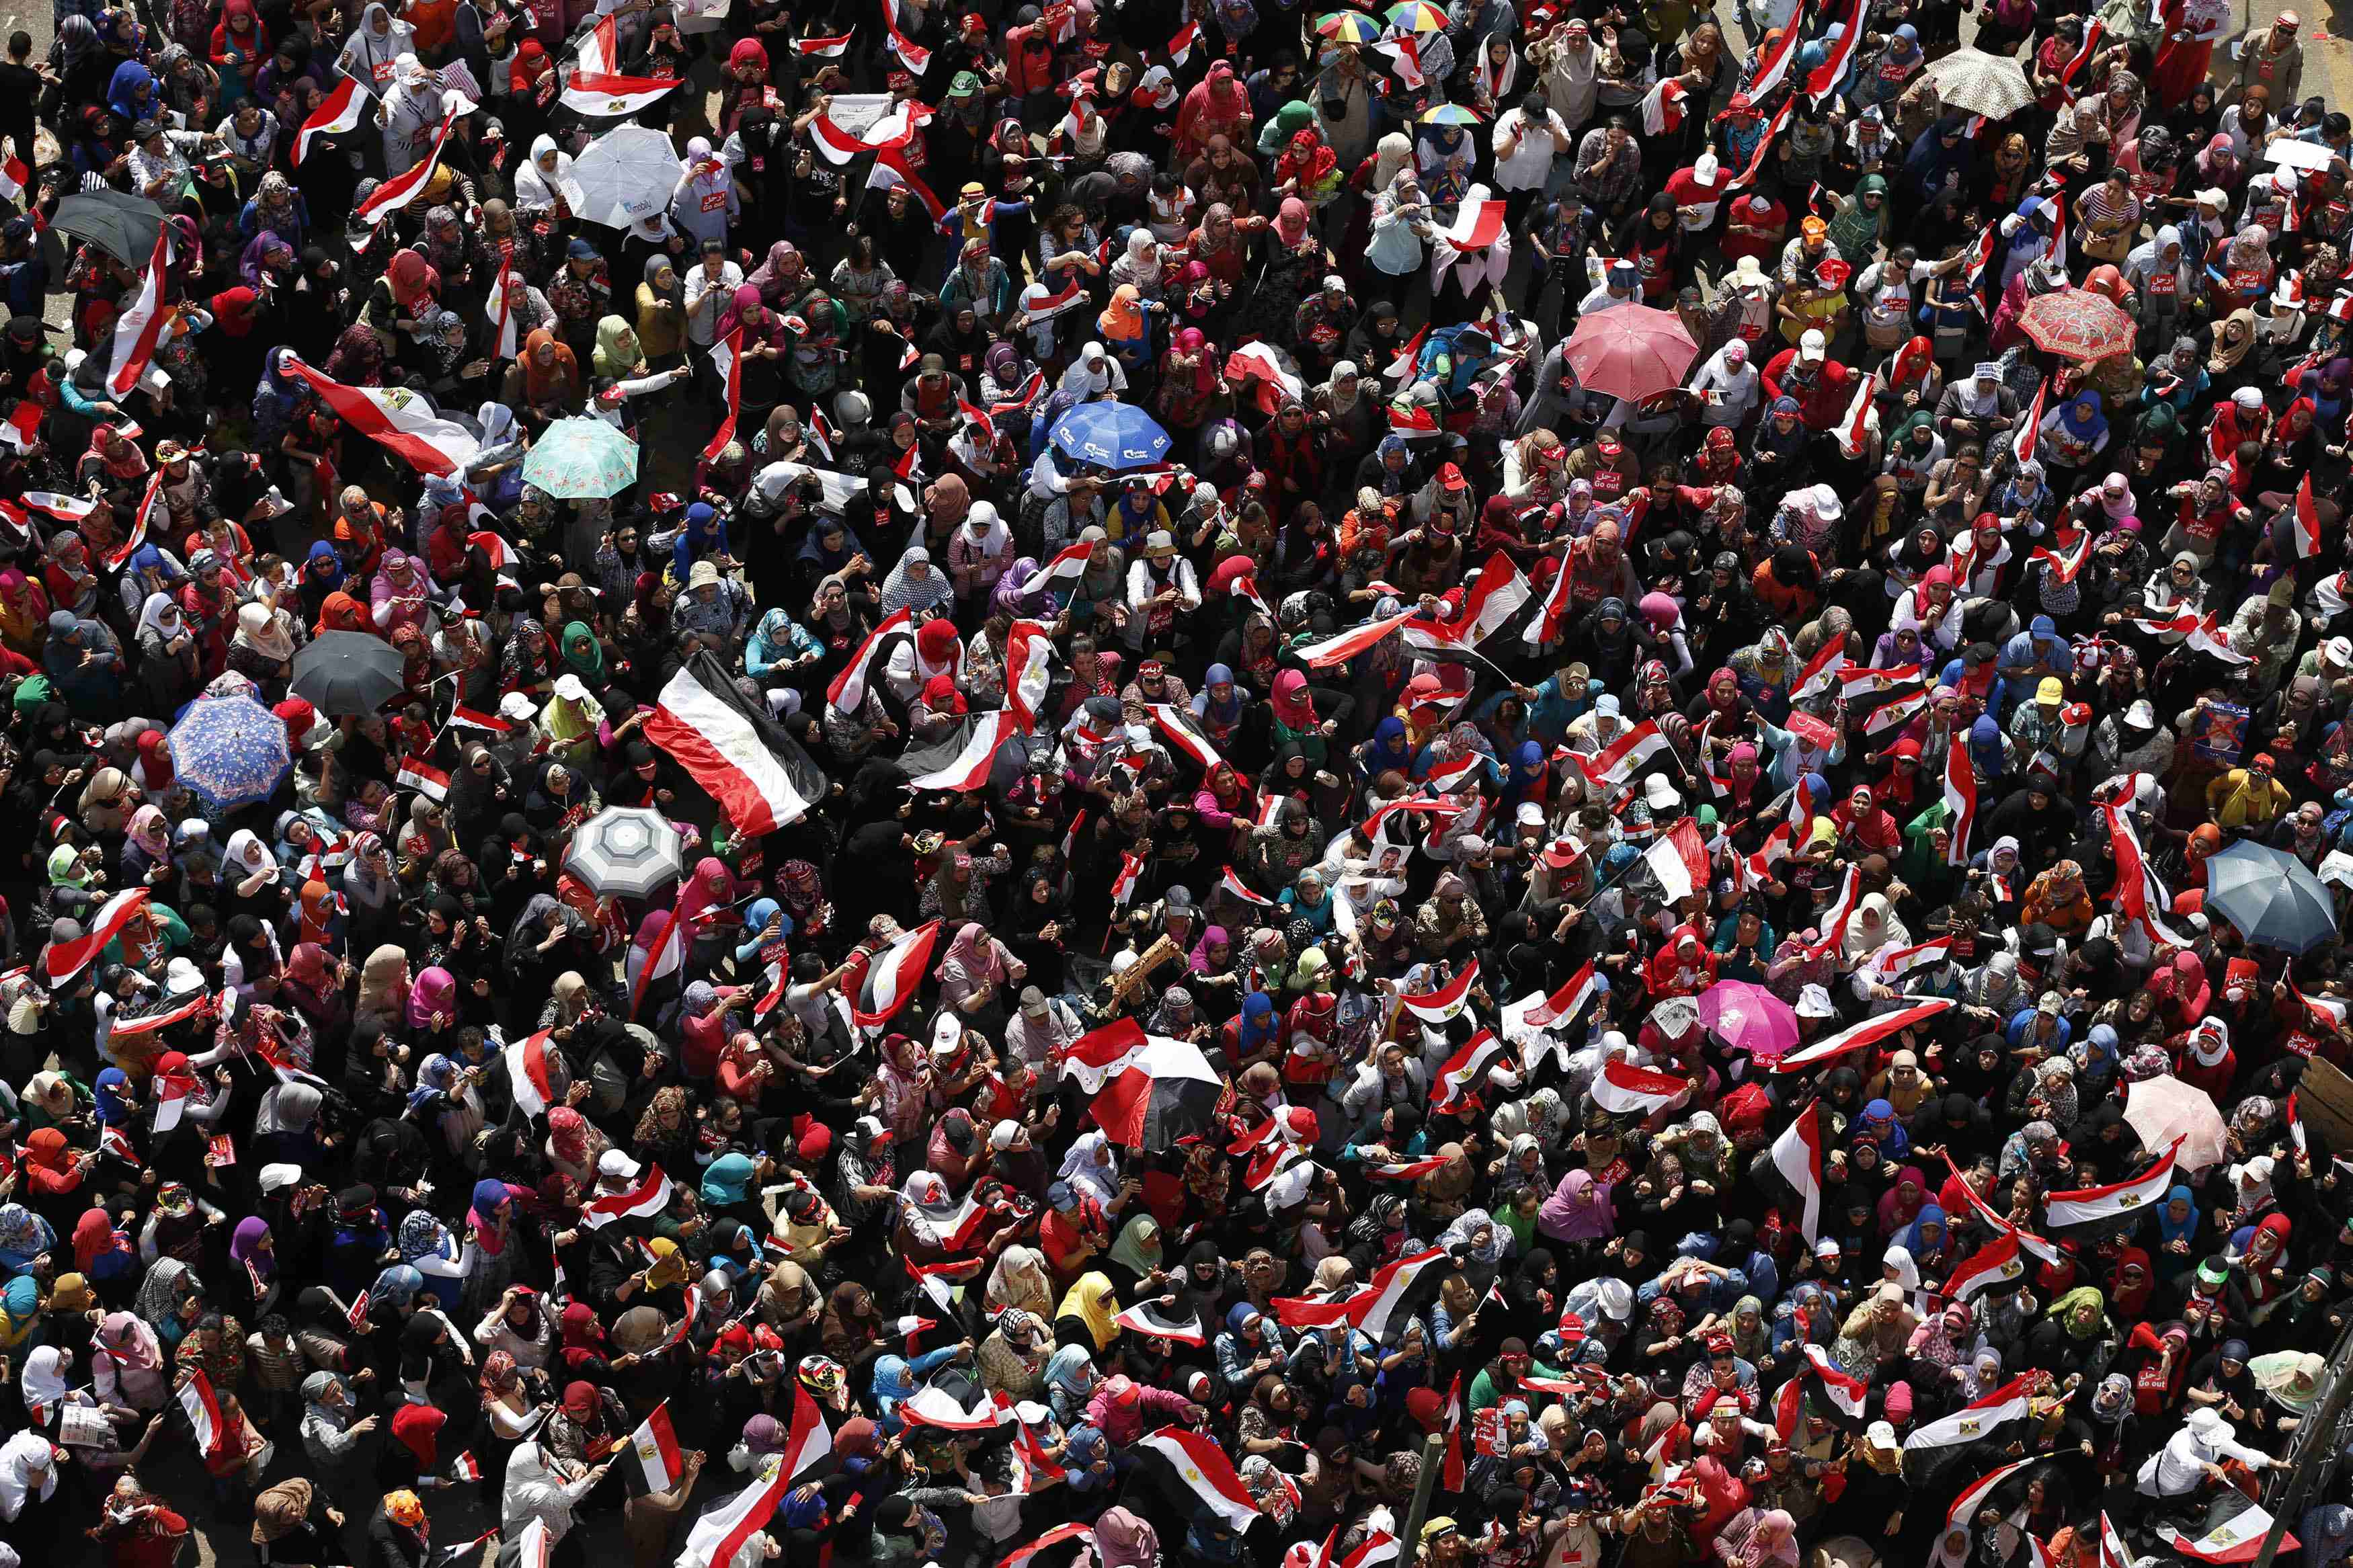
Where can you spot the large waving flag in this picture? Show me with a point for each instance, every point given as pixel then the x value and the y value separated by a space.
pixel 723 1529
pixel 1798 1155
pixel 1972 1422
pixel 597 87
pixel 1870 1032
pixel 401 189
pixel 757 773
pixel 527 1073
pixel 63 961
pixel 647 1198
pixel 1438 1006
pixel 1622 1088
pixel 2118 1201
pixel 1466 1069
pixel 1960 803
pixel 339 111
pixel 893 976
pixel 727 359
pixel 141 326
pixel 848 688
pixel 395 418
pixel 1201 1474
pixel 1370 1308
pixel 196 1397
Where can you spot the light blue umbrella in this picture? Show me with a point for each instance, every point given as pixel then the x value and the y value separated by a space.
pixel 1113 435
pixel 229 751
pixel 2270 897
pixel 581 459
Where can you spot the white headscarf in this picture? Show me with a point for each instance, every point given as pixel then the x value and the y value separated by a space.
pixel 26 1469
pixel 1078 1167
pixel 45 1382
pixel 152 613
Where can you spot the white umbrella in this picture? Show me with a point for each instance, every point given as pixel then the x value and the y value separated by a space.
pixel 2163 1109
pixel 1980 83
pixel 625 177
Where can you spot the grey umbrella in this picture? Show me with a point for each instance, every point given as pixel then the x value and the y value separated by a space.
pixel 122 226
pixel 2270 897
pixel 627 852
pixel 342 673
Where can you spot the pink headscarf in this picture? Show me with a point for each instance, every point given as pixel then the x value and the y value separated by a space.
pixel 435 991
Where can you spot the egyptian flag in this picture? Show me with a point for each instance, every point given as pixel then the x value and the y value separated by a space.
pixel 1379 1549
pixel 2124 1201
pixel 1972 1422
pixel 1405 54
pixel 935 1407
pixel 63 961
pixel 1405 1171
pixel 1123 886
pixel 464 718
pixel 2305 530
pixel 2139 896
pixel 1848 1394
pixel 1771 69
pixel 2239 1539
pixel 1177 723
pixel 1162 1090
pixel 1798 1155
pixel 1199 1473
pixel 647 1198
pixel 723 1529
pixel 141 326
pixel 597 87
pixel 1232 883
pixel 2095 34
pixel 422 776
pixel 1901 711
pixel 1348 645
pixel 204 1413
pixel 809 1439
pixel 466 1467
pixel 1624 1089
pixel 1757 868
pixel 1888 966
pixel 172 1091
pixel 1493 598
pixel 2068 560
pixel 893 976
pixel 1257 360
pixel 2025 1238
pixel 1826 75
pixel 24 425
pixel 659 1455
pixel 1144 1318
pixel 823 48
pixel 1861 420
pixel 1477 225
pixel 2022 445
pixel 1748 176
pixel 16 178
pixel 138 534
pixel 1054 1537
pixel 1074 293
pixel 727 359
pixel 848 688
pixel 396 418
pixel 1438 1006
pixel 1993 1266
pixel 1827 666
pixel 1960 803
pixel 1180 47
pixel 962 758
pixel 339 111
pixel 1981 253
pixel 1408 355
pixel 1617 764
pixel 1564 1004
pixel 758 773
pixel 2112 1545
pixel 1544 626
pixel 1870 1032
pixel 401 189
pixel 911 55
pixel 1465 1070
pixel 1370 1308
pixel 1025 398
pixel 1834 919
pixel 669 955
pixel 1973 1496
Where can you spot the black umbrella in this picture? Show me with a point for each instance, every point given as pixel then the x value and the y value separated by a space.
pixel 124 227
pixel 348 672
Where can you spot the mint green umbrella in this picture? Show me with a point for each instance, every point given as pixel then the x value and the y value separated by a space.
pixel 581 459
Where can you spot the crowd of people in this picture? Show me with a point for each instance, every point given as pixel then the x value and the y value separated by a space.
pixel 1330 909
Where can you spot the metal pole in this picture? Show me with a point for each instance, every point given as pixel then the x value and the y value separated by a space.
pixel 2319 1447
pixel 1433 1457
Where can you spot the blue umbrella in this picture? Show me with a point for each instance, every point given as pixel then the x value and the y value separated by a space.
pixel 1111 436
pixel 229 749
pixel 2270 897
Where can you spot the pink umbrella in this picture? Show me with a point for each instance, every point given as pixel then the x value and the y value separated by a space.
pixel 1631 351
pixel 1747 1017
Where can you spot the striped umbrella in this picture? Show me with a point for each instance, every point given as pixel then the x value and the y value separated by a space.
pixel 1350 28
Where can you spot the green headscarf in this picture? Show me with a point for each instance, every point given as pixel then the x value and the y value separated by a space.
pixel 617 351
pixel 1855 232
pixel 589 667
pixel 66 868
pixel 2072 1307
pixel 1137 1249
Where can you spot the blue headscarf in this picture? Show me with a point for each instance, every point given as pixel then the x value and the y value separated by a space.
pixel 488 1195
pixel 1985 747
pixel 122 94
pixel 2082 418
pixel 397 1285
pixel 1928 160
pixel 894 1381
pixel 1913 1243
pixel 1238 1315
pixel 725 1180
pixel 114 1110
pixel 1390 743
pixel 1229 712
pixel 323 566
pixel 703 536
pixel 1258 1021
pixel 2167 1228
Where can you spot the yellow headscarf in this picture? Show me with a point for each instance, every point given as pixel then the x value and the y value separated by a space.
pixel 1093 1302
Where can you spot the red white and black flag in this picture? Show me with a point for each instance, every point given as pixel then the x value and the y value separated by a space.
pixel 756 772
